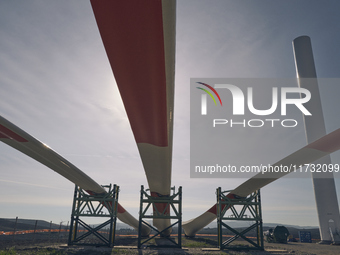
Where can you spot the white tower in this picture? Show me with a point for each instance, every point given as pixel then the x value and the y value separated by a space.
pixel 324 186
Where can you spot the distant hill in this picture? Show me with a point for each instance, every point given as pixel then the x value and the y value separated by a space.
pixel 29 224
pixel 293 229
pixel 24 224
pixel 7 224
pixel 273 225
pixel 240 224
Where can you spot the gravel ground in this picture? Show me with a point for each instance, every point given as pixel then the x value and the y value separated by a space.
pixel 296 248
pixel 202 245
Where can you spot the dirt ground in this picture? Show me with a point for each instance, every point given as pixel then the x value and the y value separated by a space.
pixel 294 248
pixel 194 246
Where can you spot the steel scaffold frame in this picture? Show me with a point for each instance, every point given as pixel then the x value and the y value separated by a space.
pixel 171 201
pixel 252 204
pixel 101 206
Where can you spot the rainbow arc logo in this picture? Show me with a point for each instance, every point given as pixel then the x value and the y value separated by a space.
pixel 209 93
pixel 204 97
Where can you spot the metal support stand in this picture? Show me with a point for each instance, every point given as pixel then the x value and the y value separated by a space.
pixel 98 206
pixel 242 209
pixel 173 202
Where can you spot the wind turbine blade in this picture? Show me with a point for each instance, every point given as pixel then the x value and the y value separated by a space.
pixel 308 154
pixel 139 40
pixel 27 144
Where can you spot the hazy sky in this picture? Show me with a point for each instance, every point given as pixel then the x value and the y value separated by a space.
pixel 56 84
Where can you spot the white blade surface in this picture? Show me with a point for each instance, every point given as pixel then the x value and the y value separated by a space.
pixel 308 154
pixel 27 144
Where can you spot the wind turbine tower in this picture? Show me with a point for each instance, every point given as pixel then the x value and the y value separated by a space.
pixel 324 185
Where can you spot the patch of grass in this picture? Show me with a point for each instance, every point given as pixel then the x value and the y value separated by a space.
pixel 57 252
pixel 36 251
pixel 10 251
pixel 198 243
pixel 121 251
